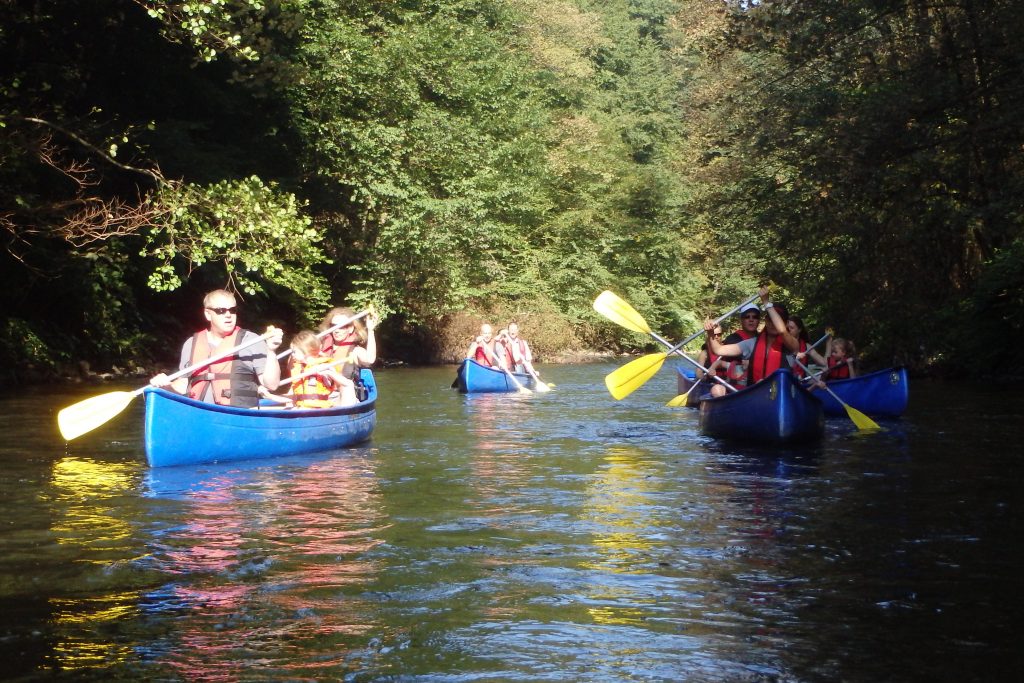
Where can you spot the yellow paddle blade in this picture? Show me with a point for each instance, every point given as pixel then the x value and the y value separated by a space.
pixel 541 387
pixel 619 312
pixel 679 401
pixel 87 415
pixel 633 374
pixel 860 419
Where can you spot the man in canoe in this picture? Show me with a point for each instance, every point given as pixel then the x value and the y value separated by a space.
pixel 483 349
pixel 766 352
pixel 517 351
pixel 235 380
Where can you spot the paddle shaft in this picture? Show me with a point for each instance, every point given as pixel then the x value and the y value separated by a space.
pixel 210 361
pixel 313 371
pixel 707 373
pixel 332 328
pixel 718 320
pixel 805 369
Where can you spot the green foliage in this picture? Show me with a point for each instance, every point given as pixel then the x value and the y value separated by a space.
pixel 252 231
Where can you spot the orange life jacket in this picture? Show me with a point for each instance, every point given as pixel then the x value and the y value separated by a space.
pixel 231 385
pixel 313 391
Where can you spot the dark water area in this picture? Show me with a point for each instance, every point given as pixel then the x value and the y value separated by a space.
pixel 552 537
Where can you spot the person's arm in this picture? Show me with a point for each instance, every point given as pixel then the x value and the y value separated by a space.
pixel 368 356
pixel 716 346
pixel 271 375
pixel 527 353
pixel 774 319
pixel 473 346
pixel 702 359
pixel 852 364
pixel 817 357
pixel 180 385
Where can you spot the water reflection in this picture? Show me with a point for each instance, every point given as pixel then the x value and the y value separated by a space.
pixel 263 557
pixel 90 527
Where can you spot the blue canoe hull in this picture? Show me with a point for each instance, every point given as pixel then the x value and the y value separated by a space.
pixel 776 410
pixel 181 431
pixel 474 378
pixel 879 394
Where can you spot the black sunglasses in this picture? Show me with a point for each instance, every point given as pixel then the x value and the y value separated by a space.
pixel 221 311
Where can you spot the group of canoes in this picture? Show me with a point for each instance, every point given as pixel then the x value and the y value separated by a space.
pixel 781 409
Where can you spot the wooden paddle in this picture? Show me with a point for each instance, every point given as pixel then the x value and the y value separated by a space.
pixel 87 415
pixel 633 375
pixel 862 421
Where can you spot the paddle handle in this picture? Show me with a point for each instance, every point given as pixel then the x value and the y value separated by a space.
pixel 332 328
pixel 707 373
pixel 812 376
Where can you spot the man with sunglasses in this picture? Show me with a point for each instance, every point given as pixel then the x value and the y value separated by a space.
pixel 234 380
pixel 735 366
pixel 766 352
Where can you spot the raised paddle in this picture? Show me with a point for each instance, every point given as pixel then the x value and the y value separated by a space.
pixel 862 421
pixel 87 415
pixel 634 374
pixel 332 328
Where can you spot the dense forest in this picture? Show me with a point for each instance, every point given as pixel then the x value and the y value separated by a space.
pixel 449 161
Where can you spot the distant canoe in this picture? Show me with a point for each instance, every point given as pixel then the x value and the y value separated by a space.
pixel 182 431
pixel 878 394
pixel 474 378
pixel 776 410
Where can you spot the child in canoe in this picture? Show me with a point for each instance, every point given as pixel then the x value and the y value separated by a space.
pixel 315 379
pixel 841 359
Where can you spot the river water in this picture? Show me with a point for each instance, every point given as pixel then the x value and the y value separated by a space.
pixel 561 536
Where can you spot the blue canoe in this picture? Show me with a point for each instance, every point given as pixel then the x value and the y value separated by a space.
pixel 474 378
pixel 182 431
pixel 878 394
pixel 776 410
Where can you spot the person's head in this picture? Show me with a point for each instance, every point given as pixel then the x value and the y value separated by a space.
pixel 221 311
pixel 750 318
pixel 305 345
pixel 355 330
pixel 795 326
pixel 486 331
pixel 842 349
pixel 513 330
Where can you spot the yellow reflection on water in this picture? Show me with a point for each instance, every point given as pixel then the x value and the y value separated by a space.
pixel 617 503
pixel 84 497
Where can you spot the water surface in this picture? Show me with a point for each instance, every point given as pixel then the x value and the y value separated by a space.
pixel 552 537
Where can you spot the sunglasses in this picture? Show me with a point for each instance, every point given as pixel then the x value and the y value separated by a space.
pixel 752 316
pixel 221 311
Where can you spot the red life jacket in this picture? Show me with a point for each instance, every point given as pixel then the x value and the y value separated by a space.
pixel 798 371
pixel 837 369
pixel 766 359
pixel 313 391
pixel 231 386
pixel 722 370
pixel 481 356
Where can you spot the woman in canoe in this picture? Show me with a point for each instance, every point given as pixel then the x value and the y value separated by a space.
pixel 355 342
pixel 796 327
pixel 766 352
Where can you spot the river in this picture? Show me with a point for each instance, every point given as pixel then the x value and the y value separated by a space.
pixel 558 536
